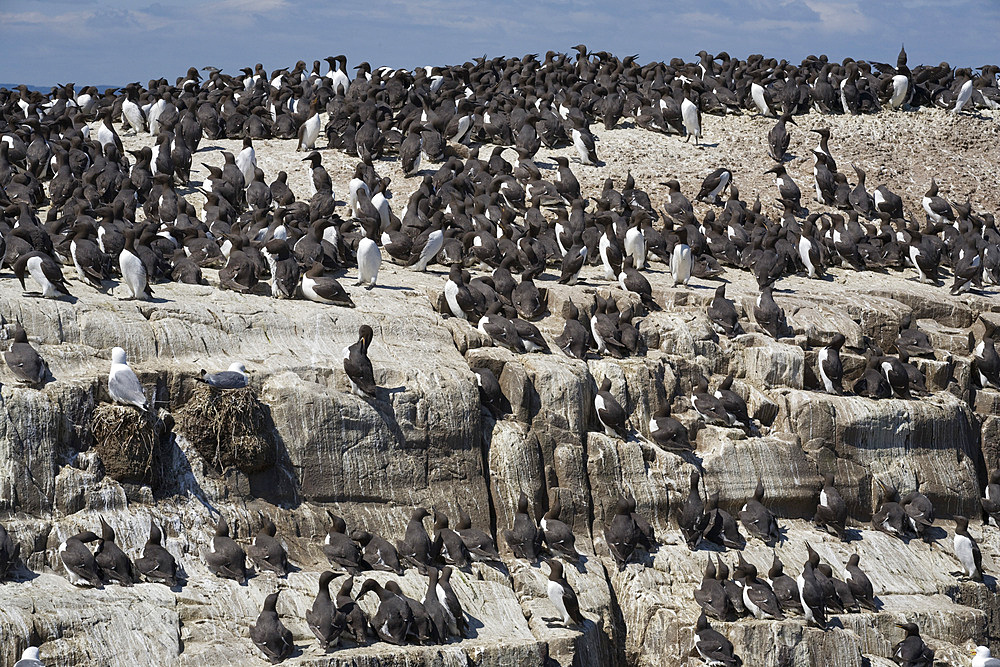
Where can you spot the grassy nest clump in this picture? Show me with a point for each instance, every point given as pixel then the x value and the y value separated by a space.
pixel 128 444
pixel 228 428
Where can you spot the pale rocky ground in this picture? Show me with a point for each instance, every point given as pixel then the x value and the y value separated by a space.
pixel 425 440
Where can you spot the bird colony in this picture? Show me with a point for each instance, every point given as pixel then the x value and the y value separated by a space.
pixel 498 192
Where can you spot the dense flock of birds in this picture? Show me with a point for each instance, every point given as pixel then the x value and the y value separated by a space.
pixel 115 218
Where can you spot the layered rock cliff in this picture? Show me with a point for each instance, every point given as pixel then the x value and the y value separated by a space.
pixel 427 441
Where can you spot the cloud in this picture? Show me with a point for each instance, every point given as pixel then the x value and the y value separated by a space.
pixel 845 18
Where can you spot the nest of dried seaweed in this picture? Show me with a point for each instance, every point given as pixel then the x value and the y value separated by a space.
pixel 127 441
pixel 228 428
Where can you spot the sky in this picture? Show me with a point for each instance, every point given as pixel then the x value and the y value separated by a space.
pixel 44 42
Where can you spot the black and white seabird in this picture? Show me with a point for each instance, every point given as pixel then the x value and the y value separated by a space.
pixel 393 620
pixel 563 596
pixel 447 544
pixel 758 597
pixel 785 588
pixel 479 543
pixel 114 564
pixel 734 404
pixel 722 313
pixel 269 635
pixel 340 549
pixel 621 533
pixel 123 384
pixel 691 519
pixel 157 564
pixel 441 621
pixel 831 511
pixel 324 619
pixel 788 191
pixel 714 184
pixel 734 590
pixel 81 567
pixel 235 377
pixel 919 511
pixel 446 594
pixel 668 433
pixel 707 405
pixel 889 517
pixel 967 550
pixel 991 499
pixel 416 547
pixel 712 646
pixel 912 651
pixel 44 271
pixel 757 519
pixel 610 413
pixel 769 315
pixel 558 535
pixel 575 338
pixel 359 369
pixel 711 595
pixel 24 361
pixel 721 527
pixel 985 360
pixel 226 558
pixel 812 597
pixel 861 585
pixel 831 371
pixel 524 538
pixel 132 269
pixel 266 551
pixel 318 287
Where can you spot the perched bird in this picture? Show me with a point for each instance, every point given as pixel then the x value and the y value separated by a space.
pixel 524 538
pixel 667 432
pixel 981 658
pixel 81 567
pixel 479 543
pixel 358 367
pixel 861 585
pixel 324 289
pixel 393 620
pixel 324 619
pixel 967 550
pixel 123 384
pixel 610 413
pixel 758 597
pixel 563 596
pixel 24 361
pixel 785 588
pixel 831 511
pixel 621 533
pixel 157 564
pixel 889 516
pixel 415 547
pixel 269 635
pixel 991 501
pixel 340 549
pixel 912 651
pixel 29 658
pixel 691 519
pixel 831 371
pixel 712 646
pixel 757 519
pixel 114 564
pixel 44 271
pixel 711 595
pixel 769 315
pixel 233 378
pixel 447 544
pixel 812 597
pixel 266 551
pixel 225 557
pixel 558 535
pixel 722 313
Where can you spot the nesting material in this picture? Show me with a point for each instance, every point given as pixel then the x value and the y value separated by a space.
pixel 228 428
pixel 126 439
